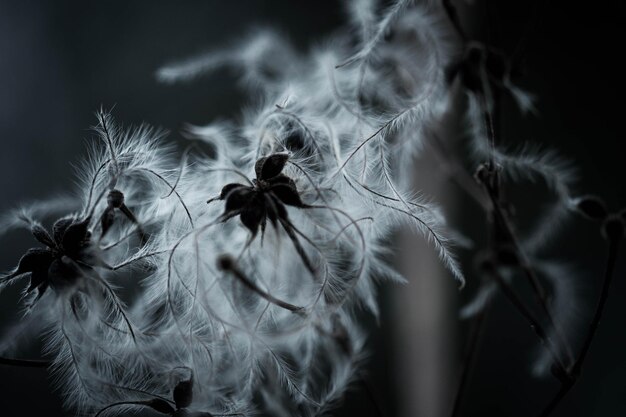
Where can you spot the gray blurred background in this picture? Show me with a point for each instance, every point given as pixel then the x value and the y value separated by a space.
pixel 60 61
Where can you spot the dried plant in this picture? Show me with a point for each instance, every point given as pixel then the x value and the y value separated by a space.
pixel 237 323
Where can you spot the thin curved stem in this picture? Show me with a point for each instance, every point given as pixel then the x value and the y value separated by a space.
pixel 470 358
pixel 575 370
pixel 26 363
pixel 533 322
pixel 228 265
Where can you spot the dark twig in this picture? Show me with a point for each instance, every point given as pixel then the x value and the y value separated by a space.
pixel 506 229
pixel 471 354
pixel 27 363
pixel 541 333
pixel 608 278
pixel 453 16
pixel 614 242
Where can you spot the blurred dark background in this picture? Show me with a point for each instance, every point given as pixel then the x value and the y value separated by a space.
pixel 60 61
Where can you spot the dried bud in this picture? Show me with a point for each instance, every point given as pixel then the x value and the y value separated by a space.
pixel 183 393
pixel 115 198
pixel 225 262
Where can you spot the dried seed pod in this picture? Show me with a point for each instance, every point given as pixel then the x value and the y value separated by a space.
pixel 183 393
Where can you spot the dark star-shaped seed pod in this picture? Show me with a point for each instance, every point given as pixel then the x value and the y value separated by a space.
pixel 59 264
pixel 265 199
